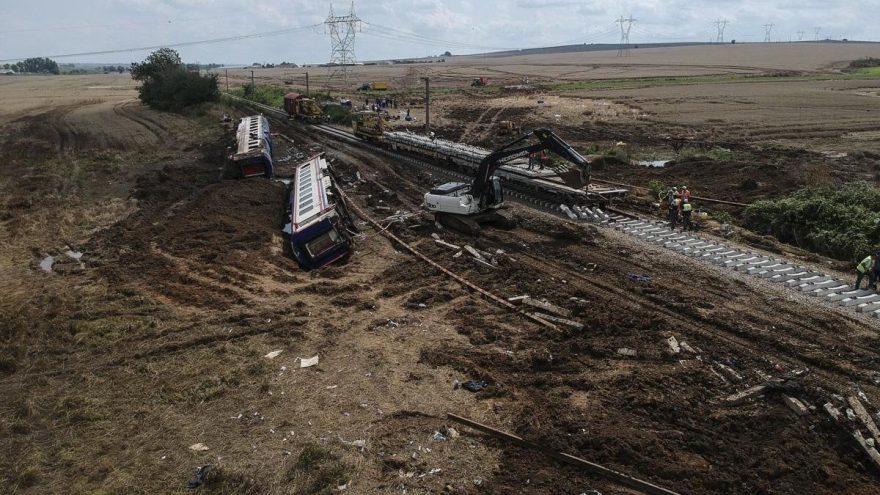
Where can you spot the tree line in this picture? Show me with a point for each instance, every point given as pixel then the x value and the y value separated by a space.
pixel 169 84
pixel 38 65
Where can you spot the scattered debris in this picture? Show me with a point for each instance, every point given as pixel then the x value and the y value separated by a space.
pixel 438 437
pixel 562 321
pixel 644 279
pixel 354 443
pixel 546 306
pixel 473 252
pixel 273 354
pixel 446 244
pixel 199 474
pixel 729 373
pixel 198 447
pixel 863 416
pixel 833 411
pixel 474 385
pixel 686 347
pixel 306 363
pixel 46 263
pixel 674 347
pixel 795 405
pixel 517 298
pixel 625 351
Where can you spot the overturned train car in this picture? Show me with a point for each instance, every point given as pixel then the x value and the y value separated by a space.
pixel 253 154
pixel 317 230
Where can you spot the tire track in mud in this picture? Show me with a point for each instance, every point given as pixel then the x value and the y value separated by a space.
pixel 788 349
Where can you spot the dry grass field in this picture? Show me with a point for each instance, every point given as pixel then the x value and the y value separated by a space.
pixel 113 364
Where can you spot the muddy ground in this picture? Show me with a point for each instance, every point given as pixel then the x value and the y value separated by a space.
pixel 113 369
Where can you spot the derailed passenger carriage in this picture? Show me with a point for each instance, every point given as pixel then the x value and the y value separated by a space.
pixel 318 220
pixel 551 185
pixel 253 154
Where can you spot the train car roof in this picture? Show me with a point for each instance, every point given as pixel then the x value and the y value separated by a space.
pixel 310 195
pixel 252 131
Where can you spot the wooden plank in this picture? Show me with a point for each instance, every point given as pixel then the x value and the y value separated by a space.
pixel 865 418
pixel 446 244
pixel 616 476
pixel 561 321
pixel 531 301
pixel 746 394
pixel 871 451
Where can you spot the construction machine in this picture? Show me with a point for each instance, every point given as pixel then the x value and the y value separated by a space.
pixel 368 125
pixel 463 207
pixel 480 82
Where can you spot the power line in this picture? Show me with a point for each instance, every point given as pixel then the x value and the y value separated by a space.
pixel 800 35
pixel 263 34
pixel 816 30
pixel 720 25
pixel 625 27
pixel 379 30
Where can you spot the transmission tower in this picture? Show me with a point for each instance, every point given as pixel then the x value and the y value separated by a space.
pixel 816 31
pixel 720 25
pixel 342 31
pixel 800 35
pixel 768 28
pixel 625 26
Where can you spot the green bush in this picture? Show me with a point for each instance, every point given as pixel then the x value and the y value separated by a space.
pixel 272 96
pixel 657 188
pixel 167 85
pixel 864 63
pixel 842 222
pixel 338 114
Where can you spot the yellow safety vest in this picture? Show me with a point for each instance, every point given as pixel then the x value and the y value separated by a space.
pixel 866 265
pixel 687 207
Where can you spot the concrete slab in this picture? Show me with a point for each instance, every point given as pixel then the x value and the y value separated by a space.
pixel 819 285
pixel 836 289
pixel 745 265
pixel 849 294
pixel 855 301
pixel 869 308
pixel 806 279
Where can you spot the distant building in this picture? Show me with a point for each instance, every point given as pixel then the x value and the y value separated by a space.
pixel 7 72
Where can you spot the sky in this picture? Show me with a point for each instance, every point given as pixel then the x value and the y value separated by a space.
pixel 292 30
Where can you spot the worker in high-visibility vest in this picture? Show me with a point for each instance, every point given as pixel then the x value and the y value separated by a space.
pixel 865 267
pixel 686 209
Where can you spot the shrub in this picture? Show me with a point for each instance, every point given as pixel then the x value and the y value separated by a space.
pixel 843 222
pixel 167 85
pixel 657 188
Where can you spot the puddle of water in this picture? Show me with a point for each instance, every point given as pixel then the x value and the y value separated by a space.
pixel 46 263
pixel 653 163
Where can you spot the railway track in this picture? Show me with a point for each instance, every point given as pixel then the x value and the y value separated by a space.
pixel 797 277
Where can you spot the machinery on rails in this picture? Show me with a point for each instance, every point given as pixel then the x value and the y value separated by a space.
pixel 464 207
pixel 253 154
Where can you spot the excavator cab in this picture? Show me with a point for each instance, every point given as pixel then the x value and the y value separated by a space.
pixel 464 208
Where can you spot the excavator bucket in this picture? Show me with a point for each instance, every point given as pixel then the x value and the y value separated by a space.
pixel 573 177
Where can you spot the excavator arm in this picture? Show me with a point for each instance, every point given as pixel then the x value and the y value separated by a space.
pixel 547 140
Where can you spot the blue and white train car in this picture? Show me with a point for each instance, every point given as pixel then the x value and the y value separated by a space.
pixel 253 155
pixel 317 229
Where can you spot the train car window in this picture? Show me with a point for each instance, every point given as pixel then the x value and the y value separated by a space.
pixel 323 243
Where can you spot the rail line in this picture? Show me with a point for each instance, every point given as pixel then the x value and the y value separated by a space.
pixel 808 280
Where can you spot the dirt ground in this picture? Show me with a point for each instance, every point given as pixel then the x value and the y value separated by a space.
pixel 115 364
